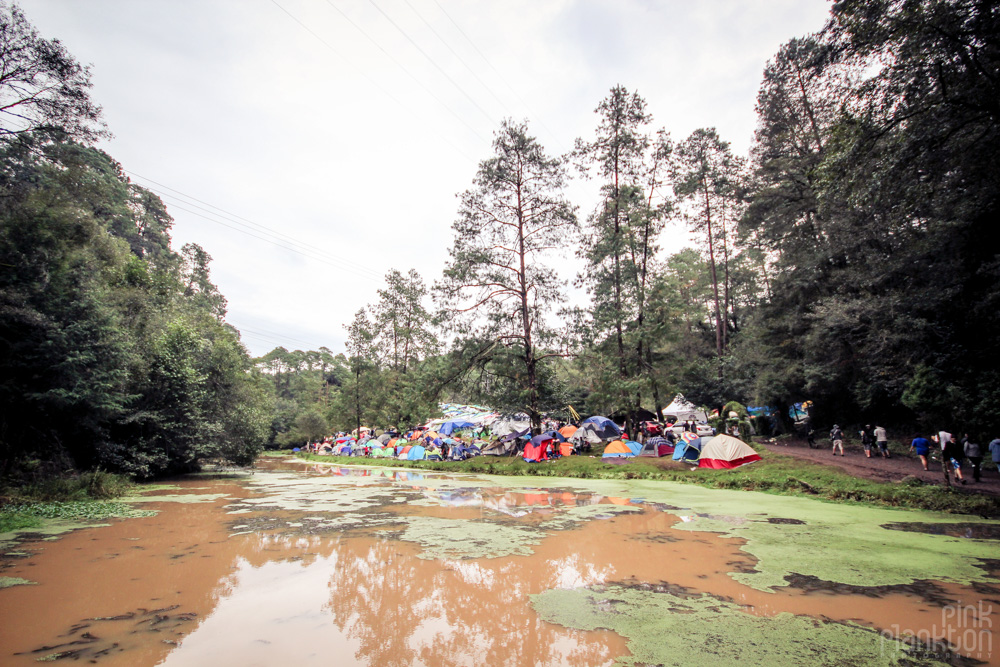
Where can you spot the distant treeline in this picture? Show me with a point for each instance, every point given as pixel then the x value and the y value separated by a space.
pixel 849 259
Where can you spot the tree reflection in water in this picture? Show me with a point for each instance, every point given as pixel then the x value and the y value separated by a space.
pixel 405 610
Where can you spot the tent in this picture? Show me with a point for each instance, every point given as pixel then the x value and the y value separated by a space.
pixel 688 449
pixel 555 435
pixel 534 451
pixel 684 410
pixel 565 448
pixel 657 446
pixel 621 449
pixel 725 451
pixel 568 430
pixel 500 447
pixel 603 428
pixel 448 428
pixel 510 424
pixel 416 453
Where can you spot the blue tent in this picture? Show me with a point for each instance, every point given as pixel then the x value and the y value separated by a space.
pixel 688 451
pixel 603 427
pixel 448 428
pixel 416 453
pixel 555 435
pixel 636 447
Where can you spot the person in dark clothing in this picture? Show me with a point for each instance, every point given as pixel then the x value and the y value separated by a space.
pixel 953 455
pixel 974 453
pixel 867 439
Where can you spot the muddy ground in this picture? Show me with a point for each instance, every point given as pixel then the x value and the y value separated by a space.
pixel 886 470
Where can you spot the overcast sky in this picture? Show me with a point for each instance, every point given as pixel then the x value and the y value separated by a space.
pixel 345 128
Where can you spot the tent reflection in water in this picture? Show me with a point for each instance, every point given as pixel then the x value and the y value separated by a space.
pixel 725 451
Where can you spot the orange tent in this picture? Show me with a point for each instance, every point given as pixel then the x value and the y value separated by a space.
pixel 566 448
pixel 617 447
pixel 568 430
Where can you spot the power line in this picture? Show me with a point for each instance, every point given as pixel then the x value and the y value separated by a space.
pixel 509 87
pixel 311 255
pixel 432 62
pixel 455 53
pixel 387 93
pixel 266 332
pixel 271 236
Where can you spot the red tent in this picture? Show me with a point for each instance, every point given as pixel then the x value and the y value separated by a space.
pixel 535 450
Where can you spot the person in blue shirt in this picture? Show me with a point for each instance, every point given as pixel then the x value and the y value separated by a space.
pixel 922 446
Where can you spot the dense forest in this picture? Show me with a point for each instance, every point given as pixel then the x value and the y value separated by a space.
pixel 114 351
pixel 845 260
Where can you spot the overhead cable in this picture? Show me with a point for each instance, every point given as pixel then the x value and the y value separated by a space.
pixel 387 93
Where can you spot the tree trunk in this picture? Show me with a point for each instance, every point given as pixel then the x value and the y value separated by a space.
pixel 715 278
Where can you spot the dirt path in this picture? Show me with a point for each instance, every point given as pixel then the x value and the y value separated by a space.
pixel 887 470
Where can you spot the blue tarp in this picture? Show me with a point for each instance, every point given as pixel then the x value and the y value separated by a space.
pixel 448 428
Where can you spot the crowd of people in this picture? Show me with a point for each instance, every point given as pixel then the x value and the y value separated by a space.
pixel 954 451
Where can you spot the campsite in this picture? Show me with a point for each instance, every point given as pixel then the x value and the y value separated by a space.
pixel 534 333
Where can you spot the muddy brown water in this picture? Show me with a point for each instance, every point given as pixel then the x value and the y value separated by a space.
pixel 195 585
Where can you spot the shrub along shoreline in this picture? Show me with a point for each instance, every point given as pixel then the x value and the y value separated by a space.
pixel 775 473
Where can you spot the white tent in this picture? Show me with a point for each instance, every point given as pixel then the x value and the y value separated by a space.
pixel 684 410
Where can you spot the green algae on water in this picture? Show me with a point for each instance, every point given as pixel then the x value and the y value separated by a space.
pixel 452 539
pixel 7 582
pixel 839 543
pixel 667 629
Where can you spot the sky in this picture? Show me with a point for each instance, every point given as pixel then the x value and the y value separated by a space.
pixel 310 146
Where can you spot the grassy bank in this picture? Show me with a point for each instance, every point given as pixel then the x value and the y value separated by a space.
pixel 83 496
pixel 776 473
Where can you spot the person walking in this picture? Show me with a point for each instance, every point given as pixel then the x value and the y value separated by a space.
pixel 882 439
pixel 923 447
pixel 837 436
pixel 867 440
pixel 951 454
pixel 974 453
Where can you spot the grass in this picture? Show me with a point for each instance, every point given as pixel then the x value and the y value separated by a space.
pixel 83 497
pixel 775 473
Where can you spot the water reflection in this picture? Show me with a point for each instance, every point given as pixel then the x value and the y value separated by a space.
pixel 370 601
pixel 314 570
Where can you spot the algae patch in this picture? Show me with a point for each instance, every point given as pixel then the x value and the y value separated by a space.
pixel 451 539
pixel 664 628
pixel 7 582
pixel 573 516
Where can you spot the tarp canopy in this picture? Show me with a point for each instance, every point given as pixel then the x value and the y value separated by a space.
pixel 725 451
pixel 684 410
pixel 515 435
pixel 642 414
pixel 555 435
pixel 448 428
pixel 508 424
